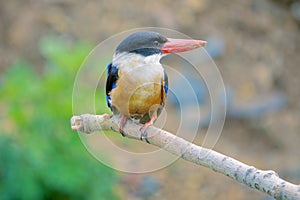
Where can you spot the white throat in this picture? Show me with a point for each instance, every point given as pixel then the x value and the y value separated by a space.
pixel 136 59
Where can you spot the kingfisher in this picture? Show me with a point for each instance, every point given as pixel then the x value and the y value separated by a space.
pixel 137 84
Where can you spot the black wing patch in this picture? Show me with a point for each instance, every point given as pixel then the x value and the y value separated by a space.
pixel 111 82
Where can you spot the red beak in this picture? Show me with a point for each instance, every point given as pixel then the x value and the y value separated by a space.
pixel 181 45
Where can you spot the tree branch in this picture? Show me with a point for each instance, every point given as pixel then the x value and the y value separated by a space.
pixel 265 181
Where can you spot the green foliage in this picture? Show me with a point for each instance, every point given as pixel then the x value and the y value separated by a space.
pixel 40 157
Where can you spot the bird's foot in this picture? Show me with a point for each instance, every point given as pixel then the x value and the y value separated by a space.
pixel 144 134
pixel 122 124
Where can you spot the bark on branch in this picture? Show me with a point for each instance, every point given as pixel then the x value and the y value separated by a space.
pixel 266 181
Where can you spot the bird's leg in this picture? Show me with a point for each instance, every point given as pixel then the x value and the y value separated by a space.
pixel 122 124
pixel 145 126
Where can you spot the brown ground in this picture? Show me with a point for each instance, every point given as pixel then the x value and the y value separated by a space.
pixel 261 53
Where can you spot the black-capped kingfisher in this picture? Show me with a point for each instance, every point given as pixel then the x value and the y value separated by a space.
pixel 137 83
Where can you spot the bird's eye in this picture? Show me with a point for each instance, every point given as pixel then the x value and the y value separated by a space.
pixel 156 43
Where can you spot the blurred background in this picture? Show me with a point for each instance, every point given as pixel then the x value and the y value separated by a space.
pixel 254 43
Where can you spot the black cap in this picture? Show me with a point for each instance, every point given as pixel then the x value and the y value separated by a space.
pixel 145 43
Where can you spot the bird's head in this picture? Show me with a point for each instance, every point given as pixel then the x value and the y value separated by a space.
pixel 149 44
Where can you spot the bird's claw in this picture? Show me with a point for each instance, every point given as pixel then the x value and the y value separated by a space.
pixel 122 124
pixel 122 132
pixel 144 134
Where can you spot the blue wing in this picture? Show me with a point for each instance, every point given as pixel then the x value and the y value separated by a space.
pixel 166 82
pixel 164 90
pixel 111 82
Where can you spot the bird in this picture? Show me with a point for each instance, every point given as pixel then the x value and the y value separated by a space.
pixel 137 83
